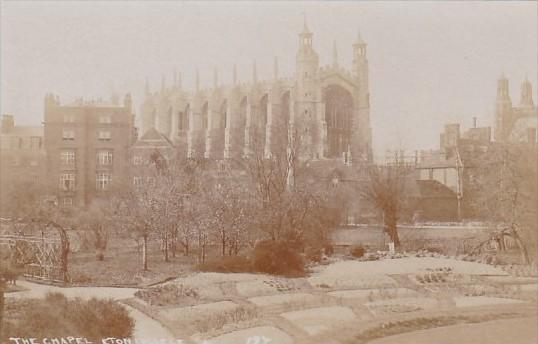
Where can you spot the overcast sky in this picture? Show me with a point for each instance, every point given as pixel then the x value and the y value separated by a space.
pixel 430 63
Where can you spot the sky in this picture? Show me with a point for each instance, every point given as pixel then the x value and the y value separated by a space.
pixel 431 63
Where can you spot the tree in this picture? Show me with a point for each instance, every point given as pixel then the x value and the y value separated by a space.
pixel 504 192
pixel 134 211
pixel 97 220
pixel 228 203
pixel 290 200
pixel 384 188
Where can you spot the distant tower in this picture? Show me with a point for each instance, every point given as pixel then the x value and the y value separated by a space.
pixel 503 109
pixel 128 102
pixel 361 139
pixel 526 94
pixel 307 96
pixel 307 60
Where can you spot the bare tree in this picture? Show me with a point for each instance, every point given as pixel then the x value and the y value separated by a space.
pixel 504 189
pixel 97 220
pixel 290 201
pixel 228 203
pixel 384 188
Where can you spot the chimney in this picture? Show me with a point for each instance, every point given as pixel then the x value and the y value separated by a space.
pixel 7 124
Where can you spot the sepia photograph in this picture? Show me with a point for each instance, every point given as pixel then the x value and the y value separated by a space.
pixel 268 172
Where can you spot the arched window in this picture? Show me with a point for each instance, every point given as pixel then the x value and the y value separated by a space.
pixel 338 113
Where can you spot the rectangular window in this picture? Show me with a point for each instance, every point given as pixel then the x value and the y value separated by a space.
pixel 105 119
pixel 67 181
pixel 104 158
pixel 104 135
pixel 35 143
pixel 25 143
pixel 103 181
pixel 137 181
pixel 67 202
pixel 69 118
pixel 67 157
pixel 137 160
pixel 68 135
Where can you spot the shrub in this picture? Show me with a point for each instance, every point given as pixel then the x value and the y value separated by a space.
pixel 328 249
pixel 277 258
pixel 357 251
pixel 227 264
pixel 168 294
pixel 313 254
pixel 218 320
pixel 434 250
pixel 56 316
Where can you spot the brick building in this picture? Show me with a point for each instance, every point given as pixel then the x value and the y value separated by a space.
pixel 22 156
pixel 87 146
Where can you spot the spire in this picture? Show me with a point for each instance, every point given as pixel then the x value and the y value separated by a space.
pixel 526 93
pixel 235 74
pixel 147 86
pixel 359 38
pixel 254 73
pixel 179 83
pixel 305 26
pixel 163 83
pixel 275 68
pixel 197 80
pixel 215 78
pixel 335 54
pixel 305 37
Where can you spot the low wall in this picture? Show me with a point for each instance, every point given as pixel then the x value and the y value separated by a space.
pixel 449 239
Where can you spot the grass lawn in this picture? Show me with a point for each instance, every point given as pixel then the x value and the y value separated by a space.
pixel 123 266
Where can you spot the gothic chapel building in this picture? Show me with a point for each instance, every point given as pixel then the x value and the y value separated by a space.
pixel 327 108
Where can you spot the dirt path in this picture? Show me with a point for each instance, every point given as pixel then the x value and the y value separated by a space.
pixel 35 290
pixel 146 327
pixel 513 331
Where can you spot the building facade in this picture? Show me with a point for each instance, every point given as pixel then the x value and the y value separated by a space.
pixel 22 156
pixel 515 124
pixel 326 109
pixel 87 147
pixel 149 155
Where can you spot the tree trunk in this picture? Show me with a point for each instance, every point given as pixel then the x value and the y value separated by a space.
pixel 145 252
pixel 223 242
pixel 392 230
pixel 165 242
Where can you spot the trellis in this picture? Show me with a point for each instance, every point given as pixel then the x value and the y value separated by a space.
pixel 42 257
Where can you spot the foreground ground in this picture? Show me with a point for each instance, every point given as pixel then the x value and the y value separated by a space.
pixel 407 300
pixel 513 331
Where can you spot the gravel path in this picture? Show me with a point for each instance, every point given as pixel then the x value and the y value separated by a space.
pixel 35 290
